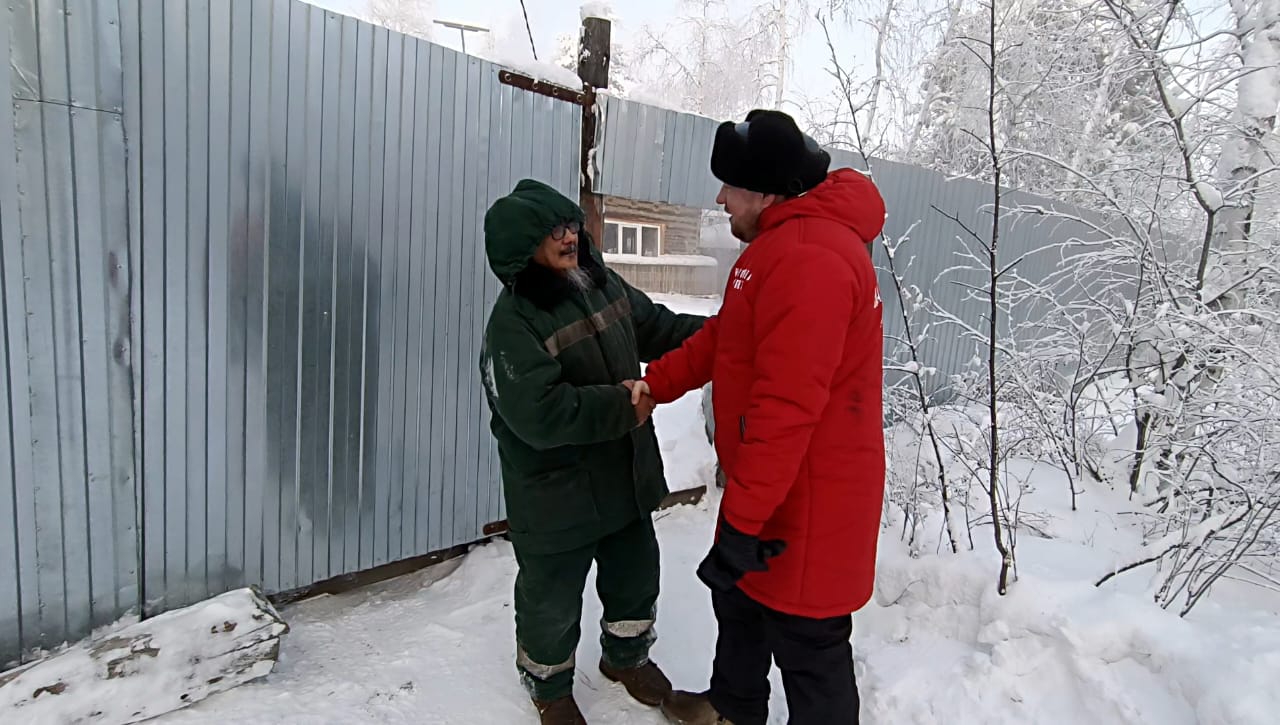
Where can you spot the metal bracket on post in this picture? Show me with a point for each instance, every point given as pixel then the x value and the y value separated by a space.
pixel 542 88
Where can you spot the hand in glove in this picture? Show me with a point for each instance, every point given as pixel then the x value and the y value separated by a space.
pixel 733 555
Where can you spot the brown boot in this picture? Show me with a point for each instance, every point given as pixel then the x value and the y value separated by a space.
pixel 645 683
pixel 691 708
pixel 560 712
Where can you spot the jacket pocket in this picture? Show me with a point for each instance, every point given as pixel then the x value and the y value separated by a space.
pixel 742 428
pixel 552 502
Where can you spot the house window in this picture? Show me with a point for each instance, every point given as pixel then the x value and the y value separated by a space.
pixel 637 240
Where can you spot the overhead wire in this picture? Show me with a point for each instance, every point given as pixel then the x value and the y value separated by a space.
pixel 528 29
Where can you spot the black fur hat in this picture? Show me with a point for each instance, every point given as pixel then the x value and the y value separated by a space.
pixel 768 153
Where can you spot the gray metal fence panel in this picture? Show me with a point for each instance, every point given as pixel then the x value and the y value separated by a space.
pixel 19 601
pixel 66 461
pixel 312 287
pixel 654 154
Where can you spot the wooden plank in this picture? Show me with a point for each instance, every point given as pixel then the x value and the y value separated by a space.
pixel 688 496
pixel 139 671
pixel 355 580
pixel 544 88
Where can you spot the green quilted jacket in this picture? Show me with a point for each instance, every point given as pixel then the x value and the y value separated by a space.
pixel 575 466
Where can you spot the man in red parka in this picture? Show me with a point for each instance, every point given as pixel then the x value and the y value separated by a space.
pixel 794 358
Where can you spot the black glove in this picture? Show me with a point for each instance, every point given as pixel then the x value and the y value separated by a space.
pixel 733 555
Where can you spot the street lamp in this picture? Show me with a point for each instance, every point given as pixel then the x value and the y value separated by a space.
pixel 463 29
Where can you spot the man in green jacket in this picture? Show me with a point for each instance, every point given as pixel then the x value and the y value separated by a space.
pixel 581 470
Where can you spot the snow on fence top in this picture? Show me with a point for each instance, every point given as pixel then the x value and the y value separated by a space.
pixel 665 260
pixel 536 69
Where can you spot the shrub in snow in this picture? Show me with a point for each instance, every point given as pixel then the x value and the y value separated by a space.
pixel 1147 362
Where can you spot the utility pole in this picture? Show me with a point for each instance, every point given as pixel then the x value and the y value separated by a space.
pixel 594 50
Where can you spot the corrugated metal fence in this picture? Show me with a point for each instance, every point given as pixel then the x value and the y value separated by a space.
pixel 67 484
pixel 243 291
pixel 658 155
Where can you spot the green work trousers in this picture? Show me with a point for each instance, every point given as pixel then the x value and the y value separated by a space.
pixel 548 601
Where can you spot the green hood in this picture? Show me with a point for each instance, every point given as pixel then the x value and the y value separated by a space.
pixel 517 223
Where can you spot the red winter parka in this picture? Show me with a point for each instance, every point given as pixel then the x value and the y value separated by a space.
pixel 794 358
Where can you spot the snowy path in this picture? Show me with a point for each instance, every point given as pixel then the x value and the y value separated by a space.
pixel 937 645
pixel 436 647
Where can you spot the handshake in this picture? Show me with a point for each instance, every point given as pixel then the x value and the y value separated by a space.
pixel 640 399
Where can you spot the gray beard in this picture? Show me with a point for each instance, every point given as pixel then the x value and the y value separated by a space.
pixel 580 279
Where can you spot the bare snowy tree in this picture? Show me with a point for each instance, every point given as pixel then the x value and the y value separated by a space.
pixel 1180 192
pixel 411 17
pixel 1146 360
pixel 721 60
pixel 889 95
pixel 910 403
pixel 1059 95
pixel 910 386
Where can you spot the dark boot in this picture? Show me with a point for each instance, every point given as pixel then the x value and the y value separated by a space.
pixel 560 712
pixel 645 683
pixel 691 708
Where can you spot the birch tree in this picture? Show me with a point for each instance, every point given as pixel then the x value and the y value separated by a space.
pixel 1248 157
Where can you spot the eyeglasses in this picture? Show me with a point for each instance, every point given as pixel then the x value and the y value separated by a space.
pixel 558 231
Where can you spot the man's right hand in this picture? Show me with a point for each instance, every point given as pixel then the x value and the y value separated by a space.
pixel 639 389
pixel 641 400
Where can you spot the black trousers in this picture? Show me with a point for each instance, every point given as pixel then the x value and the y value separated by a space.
pixel 814 655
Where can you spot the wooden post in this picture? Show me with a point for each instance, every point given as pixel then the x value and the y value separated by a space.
pixel 593 69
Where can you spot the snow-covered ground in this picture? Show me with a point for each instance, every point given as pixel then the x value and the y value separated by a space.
pixel 941 645
pixel 688 305
pixel 937 644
